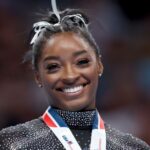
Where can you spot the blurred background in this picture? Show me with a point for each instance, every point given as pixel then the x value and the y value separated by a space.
pixel 121 29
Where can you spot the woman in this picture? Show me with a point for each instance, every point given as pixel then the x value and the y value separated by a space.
pixel 67 65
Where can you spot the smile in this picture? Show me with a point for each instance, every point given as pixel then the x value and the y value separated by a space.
pixel 73 89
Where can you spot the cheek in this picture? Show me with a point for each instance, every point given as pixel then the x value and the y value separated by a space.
pixel 92 72
pixel 50 81
pixel 93 77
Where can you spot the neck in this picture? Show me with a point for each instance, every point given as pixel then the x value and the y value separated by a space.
pixel 80 119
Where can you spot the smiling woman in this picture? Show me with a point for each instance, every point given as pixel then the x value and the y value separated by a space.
pixel 67 65
pixel 68 70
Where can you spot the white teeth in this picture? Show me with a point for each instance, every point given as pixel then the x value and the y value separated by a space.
pixel 73 89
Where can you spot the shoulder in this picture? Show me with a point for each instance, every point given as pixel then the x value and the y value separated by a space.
pixel 11 137
pixel 120 141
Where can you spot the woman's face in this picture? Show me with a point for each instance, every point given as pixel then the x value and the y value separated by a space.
pixel 68 71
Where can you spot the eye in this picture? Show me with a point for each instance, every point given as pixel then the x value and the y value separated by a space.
pixel 51 68
pixel 83 62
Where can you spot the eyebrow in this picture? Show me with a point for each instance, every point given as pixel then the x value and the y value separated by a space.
pixel 51 58
pixel 80 52
pixel 75 54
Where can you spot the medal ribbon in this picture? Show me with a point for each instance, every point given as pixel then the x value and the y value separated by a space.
pixel 64 134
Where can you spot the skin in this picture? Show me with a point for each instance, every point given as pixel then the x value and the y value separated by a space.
pixel 68 61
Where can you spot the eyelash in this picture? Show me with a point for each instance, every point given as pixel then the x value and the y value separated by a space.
pixel 52 67
pixel 83 62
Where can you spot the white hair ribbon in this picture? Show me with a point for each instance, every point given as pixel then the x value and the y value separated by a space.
pixel 37 29
pixel 55 10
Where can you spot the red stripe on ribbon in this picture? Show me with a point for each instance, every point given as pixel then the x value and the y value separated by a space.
pixel 49 121
pixel 102 124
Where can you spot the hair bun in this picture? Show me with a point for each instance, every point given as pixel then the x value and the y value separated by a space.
pixel 53 19
pixel 74 20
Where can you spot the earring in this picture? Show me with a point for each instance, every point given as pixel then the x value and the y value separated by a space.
pixel 100 75
pixel 40 85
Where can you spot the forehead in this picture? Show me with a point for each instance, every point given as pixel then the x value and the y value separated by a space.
pixel 65 43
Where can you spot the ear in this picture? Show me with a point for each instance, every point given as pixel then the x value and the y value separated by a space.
pixel 37 78
pixel 100 66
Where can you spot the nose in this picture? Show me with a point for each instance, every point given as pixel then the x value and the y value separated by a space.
pixel 70 75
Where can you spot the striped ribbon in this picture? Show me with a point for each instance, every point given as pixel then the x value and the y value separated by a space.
pixel 54 121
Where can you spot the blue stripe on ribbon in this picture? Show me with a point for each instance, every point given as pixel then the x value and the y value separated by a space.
pixel 95 123
pixel 57 118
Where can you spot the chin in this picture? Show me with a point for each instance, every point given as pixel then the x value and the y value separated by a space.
pixel 78 106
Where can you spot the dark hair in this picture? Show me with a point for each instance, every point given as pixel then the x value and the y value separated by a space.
pixel 69 25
